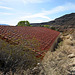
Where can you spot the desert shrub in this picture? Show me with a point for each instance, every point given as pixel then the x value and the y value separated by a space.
pixel 47 26
pixel 53 28
pixel 41 25
pixel 16 57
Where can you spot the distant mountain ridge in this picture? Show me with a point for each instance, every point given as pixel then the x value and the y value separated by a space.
pixel 61 23
pixel 4 24
pixel 68 19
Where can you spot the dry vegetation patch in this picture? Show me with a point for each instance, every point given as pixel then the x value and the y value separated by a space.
pixel 58 62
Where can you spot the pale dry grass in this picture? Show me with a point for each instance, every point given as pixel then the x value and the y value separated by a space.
pixel 67 42
pixel 74 42
pixel 55 63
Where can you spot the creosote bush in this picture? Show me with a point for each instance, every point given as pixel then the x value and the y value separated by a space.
pixel 16 57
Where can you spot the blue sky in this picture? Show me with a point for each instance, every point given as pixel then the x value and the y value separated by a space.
pixel 35 11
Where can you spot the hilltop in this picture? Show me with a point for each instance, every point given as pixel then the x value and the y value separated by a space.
pixel 61 23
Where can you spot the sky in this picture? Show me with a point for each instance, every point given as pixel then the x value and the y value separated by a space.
pixel 35 11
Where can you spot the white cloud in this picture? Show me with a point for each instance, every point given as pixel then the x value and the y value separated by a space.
pixel 2 13
pixel 25 1
pixel 1 3
pixel 33 1
pixel 10 22
pixel 3 7
pixel 44 14
pixel 68 6
pixel 40 15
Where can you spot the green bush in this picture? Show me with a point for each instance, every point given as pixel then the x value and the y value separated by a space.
pixel 16 57
pixel 53 28
pixel 47 26
pixel 23 23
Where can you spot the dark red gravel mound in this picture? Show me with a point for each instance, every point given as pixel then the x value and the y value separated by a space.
pixel 45 36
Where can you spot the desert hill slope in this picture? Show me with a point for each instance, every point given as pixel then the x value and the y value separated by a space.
pixel 61 23
pixel 68 19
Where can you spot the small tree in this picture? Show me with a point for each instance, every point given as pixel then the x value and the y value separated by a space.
pixel 23 23
pixel 27 23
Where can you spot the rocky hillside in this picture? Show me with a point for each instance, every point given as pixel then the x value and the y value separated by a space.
pixel 68 19
pixel 61 23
